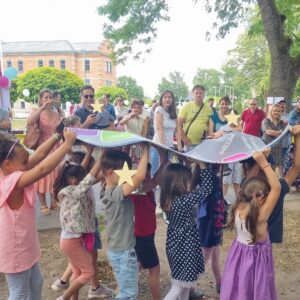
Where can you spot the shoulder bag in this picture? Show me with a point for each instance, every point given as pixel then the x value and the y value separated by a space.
pixel 32 136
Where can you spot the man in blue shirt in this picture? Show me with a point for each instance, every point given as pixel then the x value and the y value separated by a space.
pixel 85 113
pixel 108 106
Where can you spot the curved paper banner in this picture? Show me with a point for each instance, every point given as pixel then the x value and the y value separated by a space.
pixel 232 147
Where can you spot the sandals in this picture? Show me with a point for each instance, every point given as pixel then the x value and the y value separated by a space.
pixel 45 210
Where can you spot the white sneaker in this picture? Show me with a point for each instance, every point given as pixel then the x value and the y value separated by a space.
pixel 101 292
pixel 59 286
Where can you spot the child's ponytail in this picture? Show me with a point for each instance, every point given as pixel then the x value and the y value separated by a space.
pixel 67 171
pixel 253 189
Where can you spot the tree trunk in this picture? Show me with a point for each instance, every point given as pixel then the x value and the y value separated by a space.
pixel 285 70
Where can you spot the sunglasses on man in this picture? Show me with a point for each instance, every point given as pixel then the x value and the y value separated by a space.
pixel 88 96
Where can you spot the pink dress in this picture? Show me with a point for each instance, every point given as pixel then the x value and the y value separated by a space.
pixel 19 247
pixel 48 121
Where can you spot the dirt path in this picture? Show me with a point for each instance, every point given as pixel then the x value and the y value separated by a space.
pixel 287 262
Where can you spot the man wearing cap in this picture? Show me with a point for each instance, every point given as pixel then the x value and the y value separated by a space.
pixel 251 119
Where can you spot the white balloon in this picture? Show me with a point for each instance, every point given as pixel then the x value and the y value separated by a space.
pixel 26 93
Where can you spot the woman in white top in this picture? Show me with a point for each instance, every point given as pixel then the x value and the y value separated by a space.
pixel 165 126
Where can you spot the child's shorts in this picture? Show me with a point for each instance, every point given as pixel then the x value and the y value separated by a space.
pixel 146 251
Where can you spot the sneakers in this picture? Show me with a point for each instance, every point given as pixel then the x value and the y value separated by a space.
pixel 101 292
pixel 195 294
pixel 59 286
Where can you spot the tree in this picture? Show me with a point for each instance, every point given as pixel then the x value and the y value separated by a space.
pixel 280 20
pixel 113 91
pixel 130 85
pixel 176 84
pixel 210 79
pixel 67 83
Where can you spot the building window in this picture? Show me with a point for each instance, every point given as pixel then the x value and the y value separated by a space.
pixel 87 65
pixel 8 64
pixel 108 83
pixel 108 67
pixel 20 66
pixel 87 81
pixel 40 63
pixel 62 64
pixel 23 105
pixel 51 63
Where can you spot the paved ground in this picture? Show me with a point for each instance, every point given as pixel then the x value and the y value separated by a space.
pixel 52 221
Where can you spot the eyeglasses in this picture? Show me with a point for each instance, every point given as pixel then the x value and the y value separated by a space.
pixel 252 104
pixel 88 96
pixel 12 148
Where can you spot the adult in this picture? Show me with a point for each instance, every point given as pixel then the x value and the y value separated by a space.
pixel 272 127
pixel 107 105
pixel 252 118
pixel 216 122
pixel 85 112
pixel 47 118
pixel 211 103
pixel 193 118
pixel 5 123
pixel 165 126
pixel 294 119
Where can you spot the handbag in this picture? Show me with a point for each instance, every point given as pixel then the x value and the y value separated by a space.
pixel 33 134
pixel 195 116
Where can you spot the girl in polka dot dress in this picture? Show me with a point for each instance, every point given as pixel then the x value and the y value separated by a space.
pixel 183 244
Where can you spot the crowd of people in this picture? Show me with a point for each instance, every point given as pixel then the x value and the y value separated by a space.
pixel 191 196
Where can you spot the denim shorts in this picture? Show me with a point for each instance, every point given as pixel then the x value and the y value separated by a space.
pixel 125 268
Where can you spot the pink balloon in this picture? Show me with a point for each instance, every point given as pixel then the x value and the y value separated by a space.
pixel 4 81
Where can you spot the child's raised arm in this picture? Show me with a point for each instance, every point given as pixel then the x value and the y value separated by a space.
pixel 274 183
pixel 48 164
pixel 141 172
pixel 151 184
pixel 293 172
pixel 42 151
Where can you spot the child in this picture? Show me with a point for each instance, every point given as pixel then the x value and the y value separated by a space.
pixel 77 218
pixel 249 268
pixel 145 226
pixel 96 290
pixel 119 213
pixel 210 217
pixel 183 240
pixel 20 253
pixel 275 221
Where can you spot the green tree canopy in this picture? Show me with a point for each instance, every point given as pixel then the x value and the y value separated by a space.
pixel 130 85
pixel 136 21
pixel 176 84
pixel 113 91
pixel 67 83
pixel 210 79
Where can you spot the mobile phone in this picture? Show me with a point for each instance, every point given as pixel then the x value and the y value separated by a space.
pixel 60 127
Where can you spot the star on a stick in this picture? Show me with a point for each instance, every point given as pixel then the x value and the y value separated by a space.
pixel 125 174
pixel 97 106
pixel 232 118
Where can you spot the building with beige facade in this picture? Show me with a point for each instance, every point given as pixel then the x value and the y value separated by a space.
pixel 90 61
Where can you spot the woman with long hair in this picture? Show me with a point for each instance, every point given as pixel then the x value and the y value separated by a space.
pixel 47 117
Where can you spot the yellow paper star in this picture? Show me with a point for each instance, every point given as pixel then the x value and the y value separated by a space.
pixel 97 106
pixel 232 118
pixel 125 174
